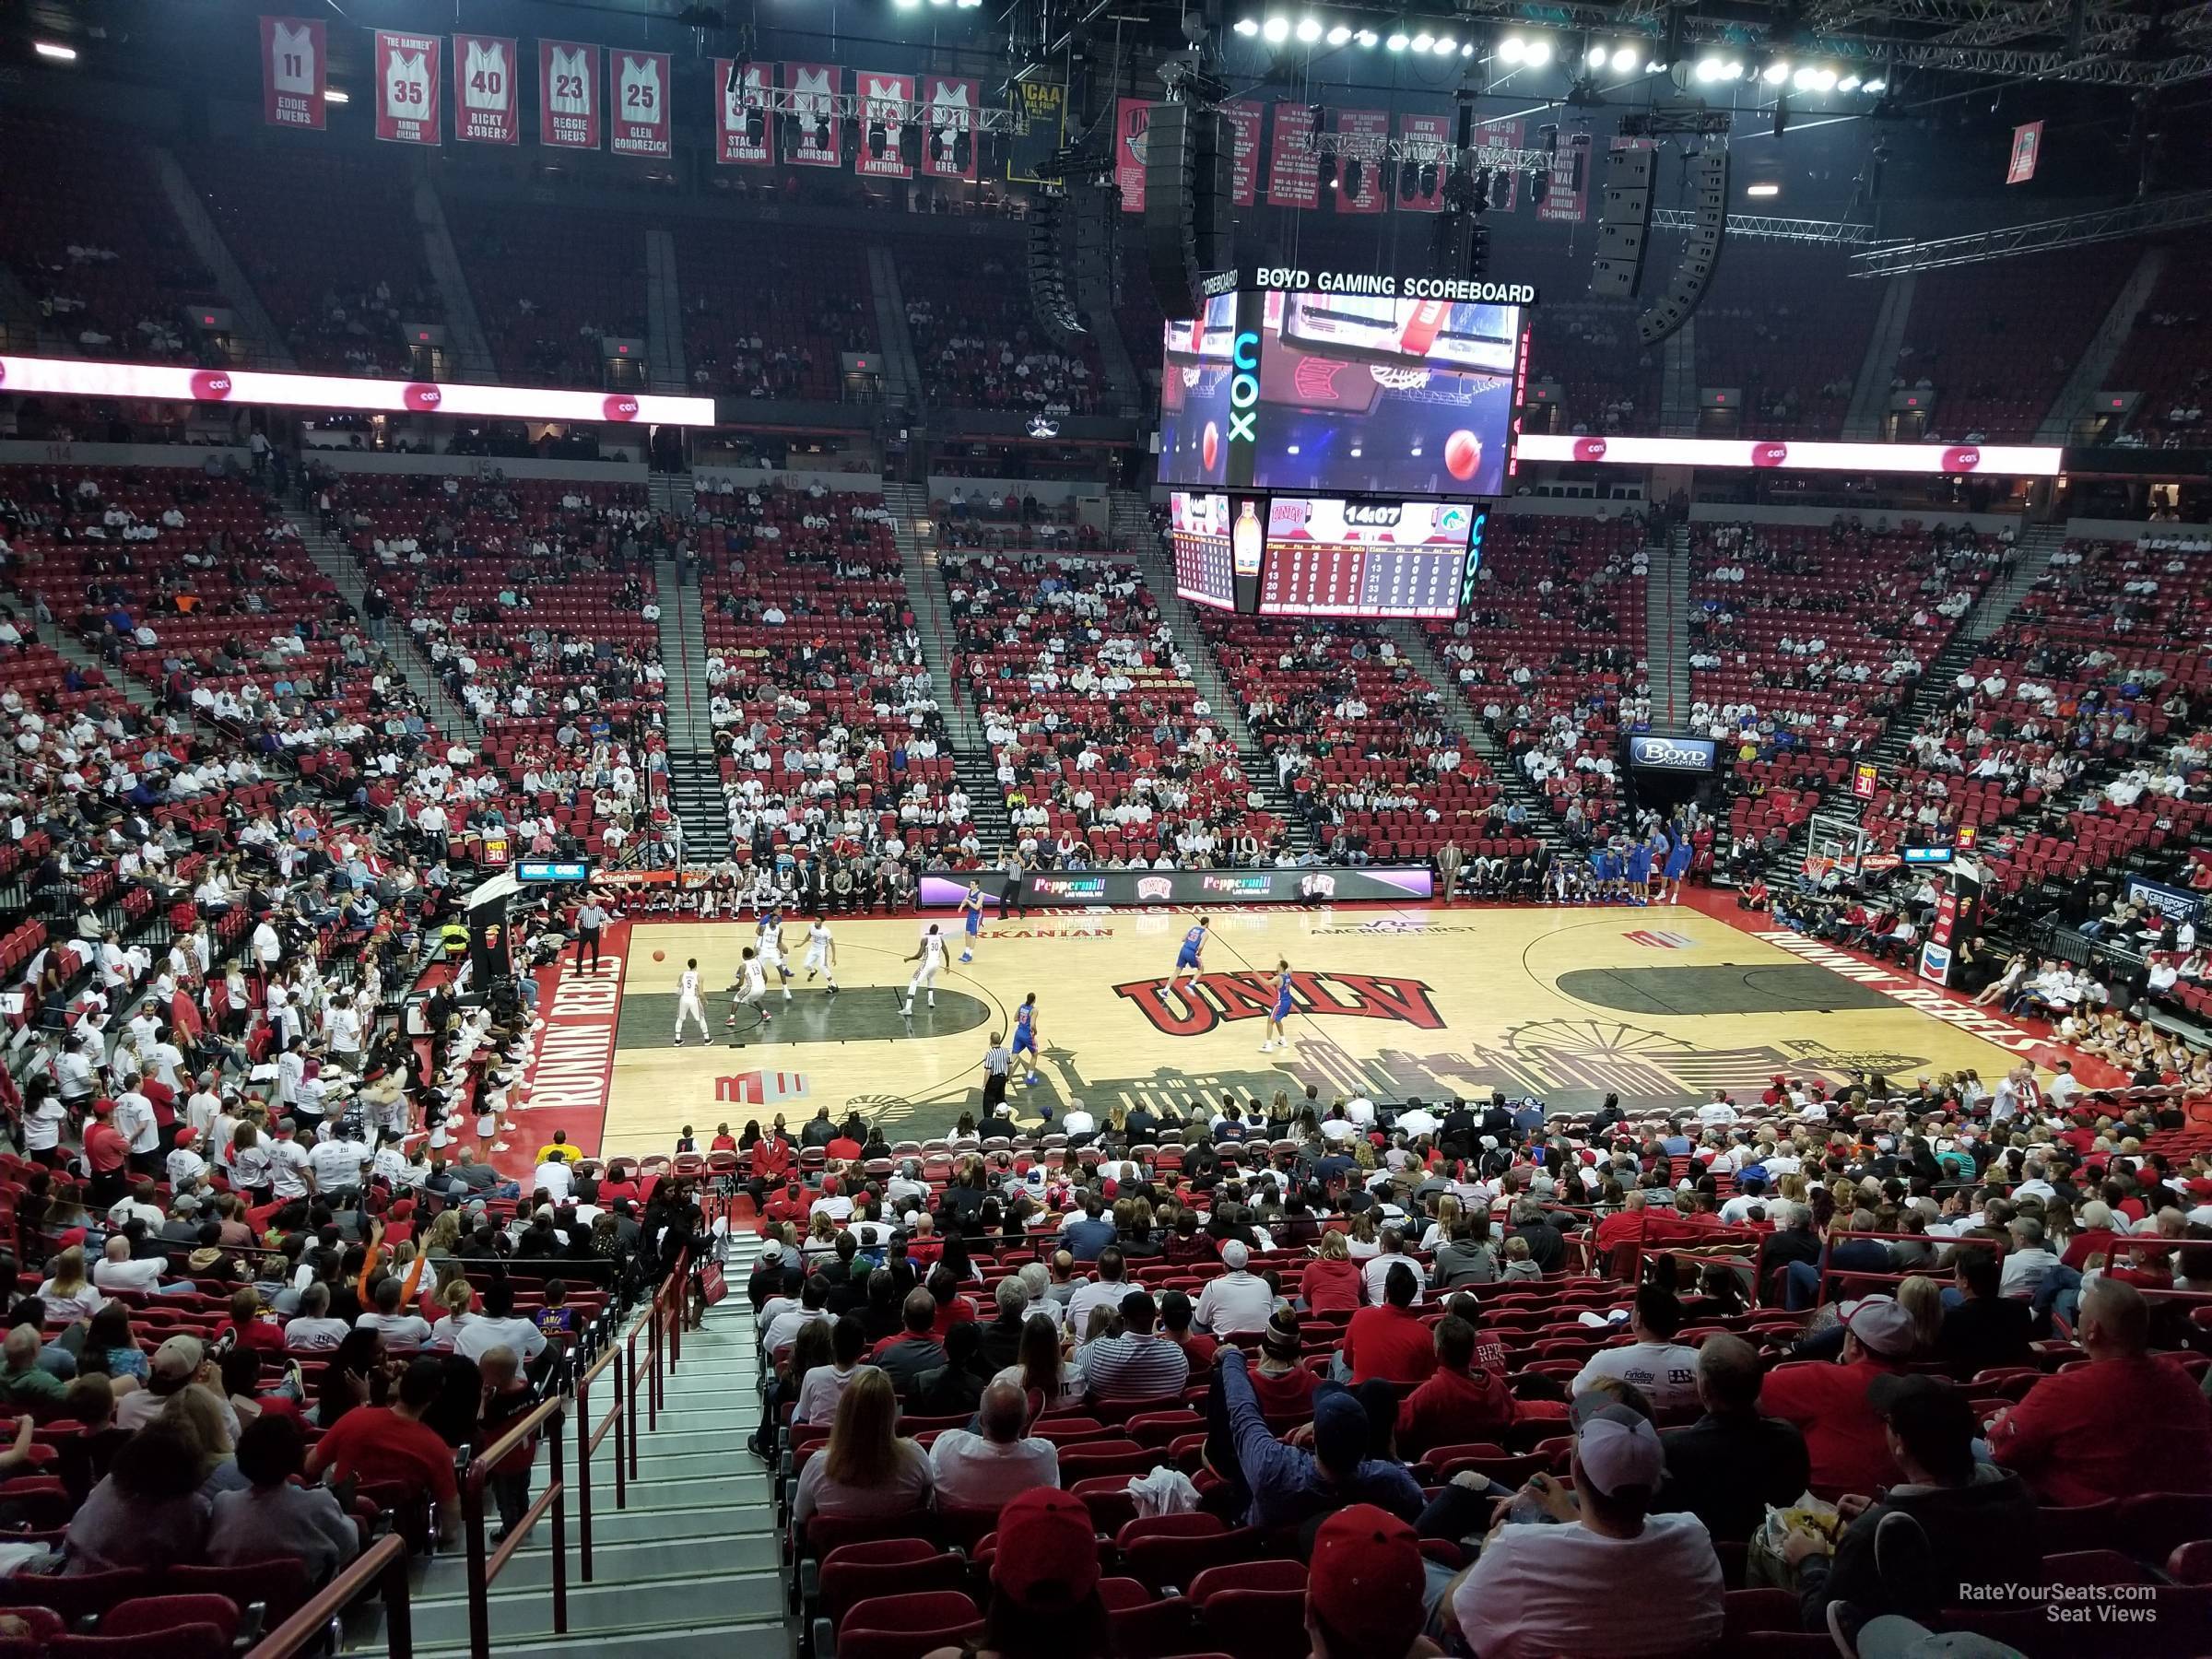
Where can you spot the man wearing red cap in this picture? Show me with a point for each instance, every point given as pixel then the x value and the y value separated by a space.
pixel 1045 1574
pixel 1364 1586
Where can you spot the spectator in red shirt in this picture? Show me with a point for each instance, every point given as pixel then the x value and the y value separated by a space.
pixel 1331 1281
pixel 391 1443
pixel 1390 1341
pixel 1461 1402
pixel 1175 1315
pixel 106 1153
pixel 1283 1387
pixel 253 1331
pixel 1844 1436
pixel 2124 1422
pixel 724 1140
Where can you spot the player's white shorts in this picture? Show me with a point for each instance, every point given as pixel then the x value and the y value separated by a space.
pixel 817 958
pixel 926 974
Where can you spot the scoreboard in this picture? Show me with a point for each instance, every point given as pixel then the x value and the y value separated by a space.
pixel 1198 532
pixel 1329 557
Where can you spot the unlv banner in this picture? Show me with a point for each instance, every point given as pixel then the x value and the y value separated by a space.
pixel 1243 120
pixel 485 108
pixel 886 101
pixel 1293 170
pixel 568 95
pixel 1503 135
pixel 814 136
pixel 1132 117
pixel 295 72
pixel 640 126
pixel 949 106
pixel 1368 132
pixel 742 93
pixel 1426 141
pixel 407 88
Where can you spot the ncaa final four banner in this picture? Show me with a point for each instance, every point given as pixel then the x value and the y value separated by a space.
pixel 638 125
pixel 740 92
pixel 1132 118
pixel 949 103
pixel 407 88
pixel 568 95
pixel 485 107
pixel 1368 132
pixel 1243 120
pixel 886 101
pixel 816 132
pixel 294 73
pixel 1426 143
pixel 1293 170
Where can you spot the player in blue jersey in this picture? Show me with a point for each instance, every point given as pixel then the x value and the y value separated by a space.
pixel 1025 1033
pixel 1640 873
pixel 1279 1010
pixel 1677 865
pixel 1193 946
pixel 972 919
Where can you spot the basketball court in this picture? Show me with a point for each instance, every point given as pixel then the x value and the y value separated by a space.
pixel 1663 1005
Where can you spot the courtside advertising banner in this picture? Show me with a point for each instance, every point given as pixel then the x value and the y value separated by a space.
pixel 1244 120
pixel 1293 170
pixel 1998 459
pixel 886 101
pixel 1366 135
pixel 815 139
pixel 740 92
pixel 951 104
pixel 1425 142
pixel 568 95
pixel 640 124
pixel 406 87
pixel 1132 120
pixel 486 110
pixel 1369 883
pixel 295 72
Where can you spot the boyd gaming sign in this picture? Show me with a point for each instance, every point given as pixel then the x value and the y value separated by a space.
pixel 1671 754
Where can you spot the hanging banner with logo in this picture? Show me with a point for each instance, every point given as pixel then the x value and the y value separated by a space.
pixel 1362 189
pixel 1567 200
pixel 568 95
pixel 1241 122
pixel 406 87
pixel 1426 141
pixel 640 124
pixel 949 147
pixel 2026 150
pixel 484 110
pixel 295 72
pixel 1293 170
pixel 813 140
pixel 739 93
pixel 886 101
pixel 1502 135
pixel 1131 118
pixel 1029 157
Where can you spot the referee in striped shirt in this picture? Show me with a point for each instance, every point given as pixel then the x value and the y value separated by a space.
pixel 998 1060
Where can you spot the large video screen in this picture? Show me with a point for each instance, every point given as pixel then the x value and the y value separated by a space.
pixel 1198 532
pixel 1363 394
pixel 1329 557
pixel 1193 395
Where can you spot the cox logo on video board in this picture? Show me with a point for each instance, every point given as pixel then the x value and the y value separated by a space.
pixel 1671 754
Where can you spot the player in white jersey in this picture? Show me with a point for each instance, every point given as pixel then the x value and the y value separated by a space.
pixel 770 943
pixel 688 1003
pixel 929 958
pixel 821 953
pixel 751 989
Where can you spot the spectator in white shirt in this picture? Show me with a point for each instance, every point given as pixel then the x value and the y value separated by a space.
pixel 399 1329
pixel 117 1271
pixel 982 1471
pixel 499 1326
pixel 1376 1269
pixel 2027 1263
pixel 1237 1303
pixel 1665 1370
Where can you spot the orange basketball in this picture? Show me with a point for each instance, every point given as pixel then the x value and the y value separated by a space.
pixel 660 956
pixel 1463 454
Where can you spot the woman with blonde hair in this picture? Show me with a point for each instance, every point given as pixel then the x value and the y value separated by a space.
pixel 444 1237
pixel 205 1417
pixel 457 1296
pixel 868 1467
pixel 1923 1297
pixel 1362 1243
pixel 1331 1281
pixel 1447 1213
pixel 821 1235
pixel 68 1294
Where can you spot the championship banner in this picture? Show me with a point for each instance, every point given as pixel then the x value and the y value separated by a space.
pixel 951 102
pixel 568 95
pixel 1503 135
pixel 639 126
pixel 886 101
pixel 1244 120
pixel 1293 170
pixel 407 88
pixel 1030 157
pixel 485 107
pixel 1426 142
pixel 1370 129
pixel 1569 197
pixel 815 137
pixel 1131 118
pixel 2027 149
pixel 295 72
pixel 740 93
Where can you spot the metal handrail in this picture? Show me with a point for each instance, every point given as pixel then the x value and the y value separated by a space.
pixel 550 1416
pixel 384 1563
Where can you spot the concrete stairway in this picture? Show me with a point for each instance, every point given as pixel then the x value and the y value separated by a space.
pixel 1460 710
pixel 2078 397
pixel 1678 383
pixel 469 354
pixel 692 1563
pixel 2031 563
pixel 1666 630
pixel 1870 390
pixel 683 659
pixel 902 383
pixel 263 345
pixel 1129 519
pixel 666 366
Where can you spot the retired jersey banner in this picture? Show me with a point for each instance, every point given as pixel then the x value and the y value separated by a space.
pixel 1367 132
pixel 568 95
pixel 886 101
pixel 1569 197
pixel 814 137
pixel 949 148
pixel 295 72
pixel 640 124
pixel 407 88
pixel 741 93
pixel 1502 135
pixel 1293 170
pixel 1132 118
pixel 1426 141
pixel 486 110
pixel 1242 121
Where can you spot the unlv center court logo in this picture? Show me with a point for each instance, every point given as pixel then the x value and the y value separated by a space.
pixel 1194 1008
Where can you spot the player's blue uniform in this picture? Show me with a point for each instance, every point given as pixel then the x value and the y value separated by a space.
pixel 1282 998
pixel 971 913
pixel 1025 1037
pixel 1193 943
pixel 1640 865
pixel 1677 857
pixel 1604 867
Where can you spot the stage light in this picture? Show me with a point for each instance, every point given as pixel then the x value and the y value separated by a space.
pixel 1351 175
pixel 1339 35
pixel 1802 79
pixel 1511 50
pixel 1850 83
pixel 1468 50
pixel 1327 170
pixel 1762 191
pixel 1824 81
pixel 1708 69
pixel 1596 57
pixel 334 96
pixel 1409 180
pixel 1247 27
pixel 1276 30
pixel 1309 31
pixel 1540 52
pixel 1876 84
pixel 1422 42
pixel 1367 37
pixel 1397 41
pixel 1445 45
pixel 59 53
pixel 1654 67
pixel 1734 71
pixel 1775 73
pixel 1625 59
